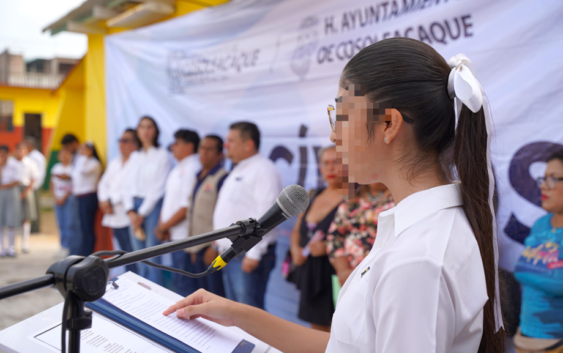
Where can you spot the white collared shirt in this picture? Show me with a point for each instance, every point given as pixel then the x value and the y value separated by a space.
pixel 422 287
pixel 28 170
pixel 178 193
pixel 41 164
pixel 111 188
pixel 251 188
pixel 61 187
pixel 85 175
pixel 11 172
pixel 147 177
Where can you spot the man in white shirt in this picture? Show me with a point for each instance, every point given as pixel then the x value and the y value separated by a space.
pixel 249 191
pixel 172 224
pixel 111 192
pixel 28 209
pixel 39 160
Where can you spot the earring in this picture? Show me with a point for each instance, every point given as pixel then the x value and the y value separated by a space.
pixel 385 140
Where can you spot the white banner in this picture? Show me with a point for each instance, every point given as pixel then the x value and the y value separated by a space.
pixel 277 63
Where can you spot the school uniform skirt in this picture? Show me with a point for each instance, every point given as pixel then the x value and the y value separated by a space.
pixel 10 207
pixel 28 209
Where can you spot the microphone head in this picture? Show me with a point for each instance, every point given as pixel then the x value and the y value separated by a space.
pixel 293 200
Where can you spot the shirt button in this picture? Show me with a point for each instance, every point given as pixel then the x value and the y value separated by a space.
pixel 379 244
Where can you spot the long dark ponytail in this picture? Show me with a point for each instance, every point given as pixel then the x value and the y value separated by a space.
pixel 412 77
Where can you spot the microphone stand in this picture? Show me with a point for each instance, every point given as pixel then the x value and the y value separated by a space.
pixel 82 279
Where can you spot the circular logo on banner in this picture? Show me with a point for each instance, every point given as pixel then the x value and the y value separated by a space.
pixel 307 41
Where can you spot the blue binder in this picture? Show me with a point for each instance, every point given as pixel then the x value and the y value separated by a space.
pixel 114 313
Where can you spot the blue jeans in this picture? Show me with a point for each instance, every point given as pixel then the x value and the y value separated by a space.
pixel 122 236
pixel 149 223
pixel 249 288
pixel 87 209
pixel 184 285
pixel 69 225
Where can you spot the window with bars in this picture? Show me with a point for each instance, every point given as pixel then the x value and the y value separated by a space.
pixel 6 115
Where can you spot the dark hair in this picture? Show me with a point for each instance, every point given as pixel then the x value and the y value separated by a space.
pixel 188 136
pixel 68 139
pixel 4 148
pixel 32 141
pixel 248 130
pixel 133 133
pixel 412 77
pixel 91 146
pixel 557 155
pixel 218 140
pixel 155 142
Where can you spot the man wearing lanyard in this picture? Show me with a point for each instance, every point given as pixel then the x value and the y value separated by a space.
pixel 200 215
pixel 249 191
pixel 172 224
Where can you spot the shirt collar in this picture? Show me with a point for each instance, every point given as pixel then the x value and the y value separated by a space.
pixel 422 204
pixel 248 160
pixel 189 158
pixel 212 171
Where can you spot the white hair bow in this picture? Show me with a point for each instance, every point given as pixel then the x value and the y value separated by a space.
pixel 463 85
pixel 464 88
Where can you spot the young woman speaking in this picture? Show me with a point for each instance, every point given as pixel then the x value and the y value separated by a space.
pixel 430 282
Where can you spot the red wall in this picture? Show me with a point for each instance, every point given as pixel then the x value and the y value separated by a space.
pixel 12 138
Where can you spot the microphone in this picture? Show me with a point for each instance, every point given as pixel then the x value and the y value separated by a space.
pixel 291 201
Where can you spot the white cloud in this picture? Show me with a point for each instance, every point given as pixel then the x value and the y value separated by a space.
pixel 21 22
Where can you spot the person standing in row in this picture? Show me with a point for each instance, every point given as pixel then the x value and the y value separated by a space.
pixel 143 199
pixel 200 215
pixel 313 276
pixel 353 231
pixel 10 203
pixel 111 194
pixel 85 175
pixel 36 156
pixel 250 190
pixel 540 270
pixel 65 203
pixel 177 198
pixel 71 143
pixel 28 208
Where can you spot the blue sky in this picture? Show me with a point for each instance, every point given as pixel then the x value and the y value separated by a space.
pixel 21 22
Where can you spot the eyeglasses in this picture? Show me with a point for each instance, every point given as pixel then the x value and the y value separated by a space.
pixel 550 181
pixel 124 141
pixel 331 116
pixel 331 111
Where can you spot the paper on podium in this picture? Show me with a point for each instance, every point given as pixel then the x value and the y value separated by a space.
pixel 41 333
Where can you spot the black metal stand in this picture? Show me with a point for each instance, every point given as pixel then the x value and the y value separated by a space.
pixel 84 279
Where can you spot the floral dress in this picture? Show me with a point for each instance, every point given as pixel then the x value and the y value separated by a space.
pixel 353 231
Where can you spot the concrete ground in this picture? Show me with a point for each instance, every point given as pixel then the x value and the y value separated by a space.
pixel 43 252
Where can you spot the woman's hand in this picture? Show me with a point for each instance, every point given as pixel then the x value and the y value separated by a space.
pixel 135 218
pixel 106 207
pixel 318 248
pixel 208 306
pixel 297 256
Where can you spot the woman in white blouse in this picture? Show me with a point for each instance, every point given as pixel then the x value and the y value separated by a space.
pixel 111 192
pixel 146 179
pixel 85 175
pixel 428 285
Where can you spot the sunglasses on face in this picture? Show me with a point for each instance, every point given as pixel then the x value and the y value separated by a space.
pixel 550 181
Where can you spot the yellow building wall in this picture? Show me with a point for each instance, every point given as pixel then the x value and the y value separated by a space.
pixel 94 97
pixel 31 100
